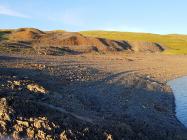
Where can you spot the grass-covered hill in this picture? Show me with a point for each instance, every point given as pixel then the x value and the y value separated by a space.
pixel 176 44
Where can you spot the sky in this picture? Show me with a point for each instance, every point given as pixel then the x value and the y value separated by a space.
pixel 153 16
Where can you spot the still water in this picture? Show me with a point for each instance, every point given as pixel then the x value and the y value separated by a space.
pixel 179 87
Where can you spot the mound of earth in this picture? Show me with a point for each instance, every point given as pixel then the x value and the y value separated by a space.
pixel 25 34
pixel 75 42
pixel 60 42
pixel 80 43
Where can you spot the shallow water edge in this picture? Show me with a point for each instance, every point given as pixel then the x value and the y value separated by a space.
pixel 179 87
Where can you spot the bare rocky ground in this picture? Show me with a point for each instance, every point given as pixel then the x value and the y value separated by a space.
pixel 114 96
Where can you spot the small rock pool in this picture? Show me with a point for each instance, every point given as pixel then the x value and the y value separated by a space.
pixel 179 87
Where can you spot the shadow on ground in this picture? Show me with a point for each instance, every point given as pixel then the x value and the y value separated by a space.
pixel 122 106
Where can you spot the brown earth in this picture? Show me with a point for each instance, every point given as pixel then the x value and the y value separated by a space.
pixel 60 42
pixel 119 96
pixel 25 34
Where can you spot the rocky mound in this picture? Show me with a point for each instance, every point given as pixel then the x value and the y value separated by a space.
pixel 82 44
pixel 60 42
pixel 78 42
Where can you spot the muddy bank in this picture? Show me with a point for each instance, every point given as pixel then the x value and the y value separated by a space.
pixel 70 99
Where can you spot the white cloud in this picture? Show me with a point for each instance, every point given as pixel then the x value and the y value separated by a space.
pixel 10 12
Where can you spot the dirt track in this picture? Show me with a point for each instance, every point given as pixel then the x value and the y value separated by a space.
pixel 123 95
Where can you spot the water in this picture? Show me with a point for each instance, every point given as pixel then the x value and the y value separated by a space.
pixel 179 87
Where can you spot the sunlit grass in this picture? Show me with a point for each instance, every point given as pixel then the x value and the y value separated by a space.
pixel 172 51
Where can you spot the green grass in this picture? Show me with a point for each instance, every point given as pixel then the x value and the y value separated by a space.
pixel 176 44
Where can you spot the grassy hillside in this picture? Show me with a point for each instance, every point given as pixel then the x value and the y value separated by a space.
pixel 176 44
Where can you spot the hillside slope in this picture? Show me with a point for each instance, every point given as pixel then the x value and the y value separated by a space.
pixel 176 44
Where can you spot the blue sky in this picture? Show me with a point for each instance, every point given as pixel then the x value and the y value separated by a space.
pixel 155 16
